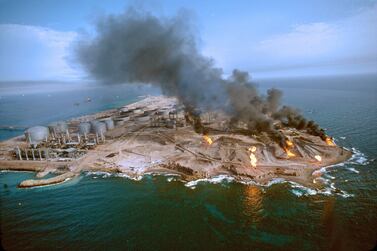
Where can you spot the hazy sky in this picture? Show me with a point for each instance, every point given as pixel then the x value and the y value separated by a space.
pixel 267 38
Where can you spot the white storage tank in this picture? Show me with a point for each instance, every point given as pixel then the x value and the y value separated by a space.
pixel 84 128
pixel 93 124
pixel 58 127
pixel 109 123
pixel 35 135
pixel 100 128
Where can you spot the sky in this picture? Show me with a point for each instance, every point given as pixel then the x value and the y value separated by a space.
pixel 267 38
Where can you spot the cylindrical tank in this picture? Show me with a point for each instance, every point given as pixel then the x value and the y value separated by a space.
pixel 58 127
pixel 109 123
pixel 100 128
pixel 36 134
pixel 84 128
pixel 93 124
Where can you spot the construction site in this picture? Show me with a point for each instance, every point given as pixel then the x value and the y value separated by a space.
pixel 157 135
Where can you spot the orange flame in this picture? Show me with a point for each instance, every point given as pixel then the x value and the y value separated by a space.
pixel 289 143
pixel 286 149
pixel 289 153
pixel 318 157
pixel 208 139
pixel 253 158
pixel 329 141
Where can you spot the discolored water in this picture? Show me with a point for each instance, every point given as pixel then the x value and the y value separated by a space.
pixel 98 211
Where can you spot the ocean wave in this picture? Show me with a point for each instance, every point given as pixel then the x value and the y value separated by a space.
pixel 323 174
pixel 214 180
pixel 352 169
pixel 358 158
pixel 300 190
pixel 296 188
pixel 162 174
pixel 274 181
pixel 98 173
pixel 101 174
pixel 124 175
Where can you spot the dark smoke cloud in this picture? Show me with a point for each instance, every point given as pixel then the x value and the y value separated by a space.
pixel 137 47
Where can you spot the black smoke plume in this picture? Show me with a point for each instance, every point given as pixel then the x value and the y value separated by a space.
pixel 137 47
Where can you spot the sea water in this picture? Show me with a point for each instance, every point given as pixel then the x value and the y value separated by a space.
pixel 99 211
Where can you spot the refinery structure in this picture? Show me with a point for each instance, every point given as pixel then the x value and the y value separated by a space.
pixel 65 141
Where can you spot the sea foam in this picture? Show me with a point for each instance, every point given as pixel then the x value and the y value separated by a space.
pixel 214 180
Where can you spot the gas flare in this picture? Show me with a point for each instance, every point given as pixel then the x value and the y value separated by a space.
pixel 289 153
pixel 286 149
pixel 329 141
pixel 253 158
pixel 207 139
pixel 289 143
pixel 318 157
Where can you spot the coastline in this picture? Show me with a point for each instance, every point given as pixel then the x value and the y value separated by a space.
pixel 137 149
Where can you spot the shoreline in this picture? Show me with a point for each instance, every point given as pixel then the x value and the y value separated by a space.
pixel 60 178
pixel 135 148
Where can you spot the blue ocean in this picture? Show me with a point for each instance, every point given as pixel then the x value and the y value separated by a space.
pixel 98 211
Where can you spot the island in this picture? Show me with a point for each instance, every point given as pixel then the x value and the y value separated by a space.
pixel 156 135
